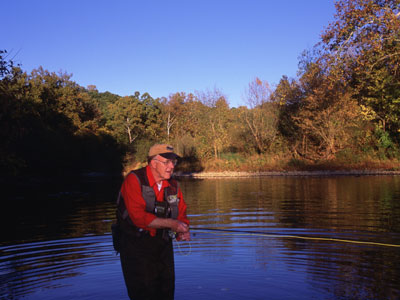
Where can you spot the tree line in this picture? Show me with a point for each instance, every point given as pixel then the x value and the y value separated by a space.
pixel 342 108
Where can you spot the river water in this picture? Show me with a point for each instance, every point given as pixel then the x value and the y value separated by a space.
pixel 252 238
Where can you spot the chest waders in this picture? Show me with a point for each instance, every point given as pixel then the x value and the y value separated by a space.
pixel 165 209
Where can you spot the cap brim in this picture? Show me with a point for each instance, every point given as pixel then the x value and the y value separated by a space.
pixel 169 155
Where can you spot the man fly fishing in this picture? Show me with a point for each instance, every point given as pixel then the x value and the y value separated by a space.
pixel 151 210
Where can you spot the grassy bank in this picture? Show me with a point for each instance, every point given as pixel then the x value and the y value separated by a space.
pixel 321 173
pixel 259 165
pixel 265 163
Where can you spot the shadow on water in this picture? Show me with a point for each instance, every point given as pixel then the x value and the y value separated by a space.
pixel 62 208
pixel 60 245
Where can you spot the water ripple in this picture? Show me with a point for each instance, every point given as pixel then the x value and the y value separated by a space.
pixel 30 266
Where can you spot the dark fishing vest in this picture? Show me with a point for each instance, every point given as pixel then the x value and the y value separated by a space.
pixel 170 204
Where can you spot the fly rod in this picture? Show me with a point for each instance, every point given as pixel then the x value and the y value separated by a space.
pixel 236 232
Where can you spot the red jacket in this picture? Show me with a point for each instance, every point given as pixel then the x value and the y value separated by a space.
pixel 136 205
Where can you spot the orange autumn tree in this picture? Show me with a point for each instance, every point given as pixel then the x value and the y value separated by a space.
pixel 349 87
pixel 364 41
pixel 328 115
pixel 261 118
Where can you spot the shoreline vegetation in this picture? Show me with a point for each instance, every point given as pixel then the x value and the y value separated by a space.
pixel 320 173
pixel 253 167
pixel 259 167
pixel 318 170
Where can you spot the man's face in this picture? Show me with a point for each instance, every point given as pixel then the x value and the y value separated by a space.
pixel 162 168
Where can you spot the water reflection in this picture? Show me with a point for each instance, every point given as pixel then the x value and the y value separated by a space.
pixel 62 248
pixel 342 203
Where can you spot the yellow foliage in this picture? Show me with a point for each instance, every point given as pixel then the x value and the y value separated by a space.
pixel 367 113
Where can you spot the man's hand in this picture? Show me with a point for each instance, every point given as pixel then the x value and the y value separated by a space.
pixel 184 236
pixel 181 227
pixel 183 231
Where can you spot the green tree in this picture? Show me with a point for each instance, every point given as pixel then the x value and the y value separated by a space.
pixel 125 120
pixel 187 132
pixel 289 95
pixel 134 117
pixel 49 124
pixel 6 65
pixel 214 117
pixel 152 117
pixel 172 110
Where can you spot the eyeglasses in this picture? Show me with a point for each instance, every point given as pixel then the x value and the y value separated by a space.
pixel 168 161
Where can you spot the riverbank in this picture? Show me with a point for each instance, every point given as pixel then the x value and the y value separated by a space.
pixel 9 183
pixel 231 174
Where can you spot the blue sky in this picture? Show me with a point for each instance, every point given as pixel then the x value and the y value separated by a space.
pixel 163 47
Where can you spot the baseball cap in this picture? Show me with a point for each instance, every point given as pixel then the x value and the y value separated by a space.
pixel 164 150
